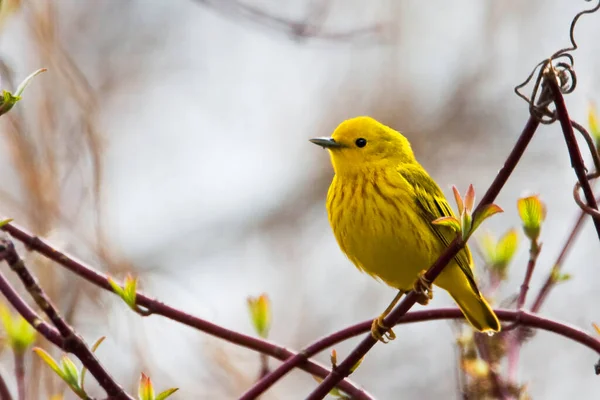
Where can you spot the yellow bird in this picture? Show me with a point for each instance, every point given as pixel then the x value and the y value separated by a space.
pixel 381 203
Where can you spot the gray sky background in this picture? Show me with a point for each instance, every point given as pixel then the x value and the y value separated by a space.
pixel 213 192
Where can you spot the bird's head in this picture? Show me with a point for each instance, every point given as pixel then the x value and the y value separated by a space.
pixel 364 143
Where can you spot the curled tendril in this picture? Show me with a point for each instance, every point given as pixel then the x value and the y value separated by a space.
pixel 586 209
pixel 563 70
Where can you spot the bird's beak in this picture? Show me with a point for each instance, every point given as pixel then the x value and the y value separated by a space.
pixel 326 143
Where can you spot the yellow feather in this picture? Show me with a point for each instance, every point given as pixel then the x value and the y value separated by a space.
pixel 381 203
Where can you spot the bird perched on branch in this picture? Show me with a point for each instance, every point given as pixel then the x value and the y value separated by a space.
pixel 381 204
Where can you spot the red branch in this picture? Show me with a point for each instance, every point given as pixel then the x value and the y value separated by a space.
pixel 153 306
pixel 576 158
pixel 522 317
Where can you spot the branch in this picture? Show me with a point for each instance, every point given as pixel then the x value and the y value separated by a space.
pixel 551 279
pixel 522 317
pixel 295 29
pixel 71 341
pixel 576 159
pixel 20 374
pixel 368 342
pixel 4 392
pixel 153 306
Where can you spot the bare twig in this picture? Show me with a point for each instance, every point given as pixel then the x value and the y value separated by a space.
pixel 551 279
pixel 484 351
pixel 20 373
pixel 523 317
pixel 300 29
pixel 4 392
pixel 71 341
pixel 576 159
pixel 156 307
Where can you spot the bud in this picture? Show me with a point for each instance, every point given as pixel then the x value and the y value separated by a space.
pixel 532 212
pixel 260 314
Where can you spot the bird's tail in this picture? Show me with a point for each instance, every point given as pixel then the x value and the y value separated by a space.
pixel 477 311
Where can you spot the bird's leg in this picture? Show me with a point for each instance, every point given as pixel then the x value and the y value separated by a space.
pixel 378 322
pixel 423 289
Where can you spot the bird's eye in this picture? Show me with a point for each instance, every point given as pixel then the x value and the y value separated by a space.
pixel 360 142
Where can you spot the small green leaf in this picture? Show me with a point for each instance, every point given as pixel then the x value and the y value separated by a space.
pixel 116 288
pixel 145 388
pixel 596 328
pixel 6 221
pixel 47 358
pixel 84 369
pixel 260 314
pixel 9 100
pixel 164 394
pixel 532 212
pixel 335 392
pixel 21 335
pixel 355 366
pixel 507 247
pixel 130 291
pixel 558 276
pixel 451 222
pixel 593 123
pixel 70 372
pixel 486 212
pixel 27 81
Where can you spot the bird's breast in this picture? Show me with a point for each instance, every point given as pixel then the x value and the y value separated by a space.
pixel 377 225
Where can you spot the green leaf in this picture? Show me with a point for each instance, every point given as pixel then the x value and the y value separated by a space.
pixel 451 222
pixel 558 276
pixel 486 212
pixel 84 369
pixel 47 358
pixel 145 388
pixel 593 123
pixel 164 394
pixel 130 291
pixel 532 212
pixel 335 392
pixel 355 366
pixel 506 248
pixel 6 221
pixel 9 100
pixel 116 288
pixel 70 372
pixel 260 314
pixel 27 81
pixel 21 335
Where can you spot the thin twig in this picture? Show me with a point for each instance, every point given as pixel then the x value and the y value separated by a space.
pixel 534 252
pixel 368 342
pixel 551 279
pixel 484 350
pixel 576 158
pixel 20 373
pixel 154 306
pixel 516 338
pixel 72 342
pixel 523 317
pixel 4 392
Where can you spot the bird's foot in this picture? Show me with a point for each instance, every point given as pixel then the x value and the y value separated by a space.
pixel 423 289
pixel 377 325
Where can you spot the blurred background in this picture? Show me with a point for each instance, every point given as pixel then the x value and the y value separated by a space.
pixel 170 139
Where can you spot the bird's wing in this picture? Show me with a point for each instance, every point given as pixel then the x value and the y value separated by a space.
pixel 433 205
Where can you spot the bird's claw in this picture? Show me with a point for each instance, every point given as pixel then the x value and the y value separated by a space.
pixel 378 325
pixel 423 289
